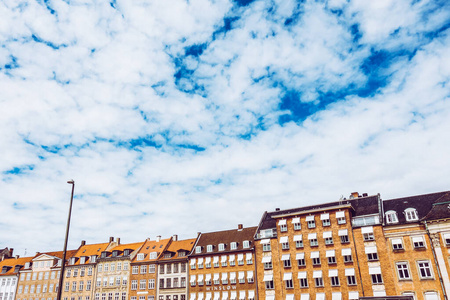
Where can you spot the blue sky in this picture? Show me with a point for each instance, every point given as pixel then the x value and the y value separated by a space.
pixel 175 117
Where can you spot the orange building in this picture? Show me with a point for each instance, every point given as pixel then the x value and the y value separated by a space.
pixel 222 265
pixel 143 277
pixel 173 270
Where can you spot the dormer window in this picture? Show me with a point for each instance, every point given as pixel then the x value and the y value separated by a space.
pixel 209 248
pixel 27 265
pixel 153 255
pixel 391 217
pixel 181 253
pixel 126 252
pixel 93 258
pixel 233 246
pixel 411 214
pixel 167 255
pixel 140 256
pixel 246 244
pixel 104 254
pixel 221 247
pixel 198 249
pixel 115 253
pixel 82 260
pixel 72 260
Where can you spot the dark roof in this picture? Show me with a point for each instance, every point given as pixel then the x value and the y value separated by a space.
pixel 365 205
pixel 361 205
pixel 422 203
pixel 440 209
pixel 226 237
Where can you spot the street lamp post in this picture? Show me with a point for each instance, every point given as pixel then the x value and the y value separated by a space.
pixel 63 262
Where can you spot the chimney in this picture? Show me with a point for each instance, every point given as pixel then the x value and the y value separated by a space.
pixel 83 243
pixel 17 256
pixel 240 226
pixel 11 252
pixel 354 195
pixel 365 195
pixel 277 209
pixel 118 241
pixel 158 238
pixel 111 239
pixel 175 237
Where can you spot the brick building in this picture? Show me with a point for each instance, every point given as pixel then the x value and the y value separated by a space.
pixel 173 270
pixel 222 265
pixel 143 278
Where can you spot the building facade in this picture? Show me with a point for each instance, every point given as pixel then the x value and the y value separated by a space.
pixel 222 265
pixel 173 270
pixel 9 277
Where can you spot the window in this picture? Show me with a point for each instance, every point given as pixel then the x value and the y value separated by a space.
pixel 151 268
pixel 266 247
pixel 209 248
pixel 200 280
pixel 350 274
pixel 74 286
pixel 249 258
pixel 298 239
pixel 446 237
pixel 391 217
pixel 328 237
pixel 135 270
pixel 312 237
pixel 89 271
pixel 198 249
pixel 300 257
pixel 142 284
pixel 224 278
pixel 331 256
pixel 268 280
pixel 318 281
pixel 169 269
pixel 418 242
pixel 250 278
pixel 411 214
pixel 296 222
pixel 334 278
pixel 231 258
pixel 431 296
pixel 311 222
pixel 80 286
pixel 284 243
pixel 375 274
pixel 325 218
pixel 183 282
pixel 140 256
pixel 343 235
pixel 286 258
pixel 88 285
pixel 287 277
pixel 216 261
pixel 233 246
pixel 347 255
pixel 168 283
pixel 367 233
pixel 240 259
pixel 315 257
pixel 153 255
pixel 224 261
pixel 68 273
pixel 283 225
pixel 397 244
pixel 192 281
pixel 403 271
pixel 124 280
pixel 161 283
pixel 134 285
pixel 267 261
pixel 302 279
pixel 221 247
pixel 175 283
pixel 144 269
pixel 340 216
pixel 424 269
pixel 105 267
pixel 151 284
pixel 371 252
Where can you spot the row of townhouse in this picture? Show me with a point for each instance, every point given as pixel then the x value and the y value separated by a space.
pixel 349 249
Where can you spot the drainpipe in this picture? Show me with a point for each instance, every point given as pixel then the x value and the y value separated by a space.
pixel 435 260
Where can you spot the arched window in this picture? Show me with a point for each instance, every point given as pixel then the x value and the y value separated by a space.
pixel 391 217
pixel 411 214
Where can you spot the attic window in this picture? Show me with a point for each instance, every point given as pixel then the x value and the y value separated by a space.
pixel 411 214
pixel 167 255
pixel 153 255
pixel 391 217
pixel 181 253
pixel 209 248
pixel 198 249
pixel 246 244
pixel 126 252
pixel 140 256
pixel 233 246
pixel 221 246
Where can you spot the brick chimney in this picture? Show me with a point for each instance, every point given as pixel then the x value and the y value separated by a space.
pixel 118 241
pixel 240 226
pixel 83 242
pixel 175 237
pixel 111 239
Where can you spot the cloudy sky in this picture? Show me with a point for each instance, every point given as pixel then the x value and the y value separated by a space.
pixel 180 116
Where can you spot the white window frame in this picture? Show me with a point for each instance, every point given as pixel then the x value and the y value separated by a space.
pixel 403 272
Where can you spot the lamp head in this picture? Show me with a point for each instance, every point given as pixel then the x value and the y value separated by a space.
pixel 71 181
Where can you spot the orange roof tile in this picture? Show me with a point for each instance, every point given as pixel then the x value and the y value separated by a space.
pixel 12 262
pixel 175 246
pixel 153 246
